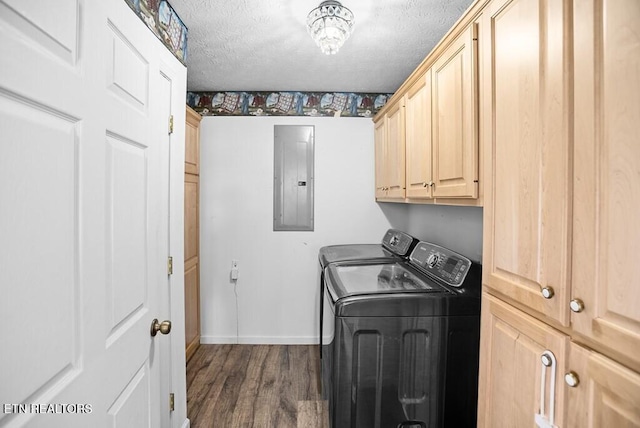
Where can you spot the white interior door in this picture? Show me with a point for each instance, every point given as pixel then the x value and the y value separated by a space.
pixel 83 217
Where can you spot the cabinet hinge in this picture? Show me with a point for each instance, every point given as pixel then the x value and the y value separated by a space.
pixel 170 266
pixel 172 402
pixel 171 124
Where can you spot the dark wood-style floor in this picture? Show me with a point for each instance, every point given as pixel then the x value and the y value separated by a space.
pixel 260 386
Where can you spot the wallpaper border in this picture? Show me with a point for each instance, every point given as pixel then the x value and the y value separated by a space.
pixel 287 103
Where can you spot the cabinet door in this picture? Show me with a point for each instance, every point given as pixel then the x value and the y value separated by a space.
pixel 606 395
pixel 192 142
pixel 606 232
pixel 380 141
pixel 526 223
pixel 394 158
pixel 418 138
pixel 191 263
pixel 455 137
pixel 511 368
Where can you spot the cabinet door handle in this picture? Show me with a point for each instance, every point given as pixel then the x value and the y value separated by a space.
pixel 572 379
pixel 542 420
pixel 576 305
pixel 547 292
pixel 424 184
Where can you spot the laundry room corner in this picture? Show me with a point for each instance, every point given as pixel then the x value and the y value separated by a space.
pixel 274 300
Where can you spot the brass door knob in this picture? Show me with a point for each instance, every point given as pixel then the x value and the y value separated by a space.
pixel 163 327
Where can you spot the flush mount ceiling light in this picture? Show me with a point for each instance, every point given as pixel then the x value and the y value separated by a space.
pixel 330 24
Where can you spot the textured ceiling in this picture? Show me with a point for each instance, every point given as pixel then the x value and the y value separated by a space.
pixel 263 45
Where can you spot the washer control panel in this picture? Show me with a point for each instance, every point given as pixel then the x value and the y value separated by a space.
pixel 444 264
pixel 397 242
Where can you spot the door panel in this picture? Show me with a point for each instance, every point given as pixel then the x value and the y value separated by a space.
pixel 128 70
pixel 380 141
pixel 394 158
pixel 81 177
pixel 607 395
pixel 455 147
pixel 126 208
pixel 606 238
pixel 57 33
pixel 133 213
pixel 511 369
pixel 418 138
pixel 125 411
pixel 39 199
pixel 527 220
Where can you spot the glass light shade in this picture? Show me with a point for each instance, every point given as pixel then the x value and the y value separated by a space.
pixel 330 24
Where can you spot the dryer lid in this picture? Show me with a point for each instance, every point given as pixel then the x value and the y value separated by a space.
pixel 341 253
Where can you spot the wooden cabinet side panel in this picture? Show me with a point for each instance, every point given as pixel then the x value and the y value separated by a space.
pixel 527 225
pixel 510 367
pixel 606 238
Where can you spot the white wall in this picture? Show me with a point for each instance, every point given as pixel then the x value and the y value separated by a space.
pixel 453 227
pixel 277 290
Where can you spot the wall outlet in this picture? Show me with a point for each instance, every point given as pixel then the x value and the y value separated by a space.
pixel 234 270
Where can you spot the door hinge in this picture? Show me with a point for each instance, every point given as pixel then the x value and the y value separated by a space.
pixel 171 124
pixel 172 402
pixel 170 266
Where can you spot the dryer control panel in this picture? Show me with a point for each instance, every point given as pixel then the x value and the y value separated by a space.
pixel 398 242
pixel 444 264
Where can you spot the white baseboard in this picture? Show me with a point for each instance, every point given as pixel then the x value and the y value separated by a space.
pixel 260 340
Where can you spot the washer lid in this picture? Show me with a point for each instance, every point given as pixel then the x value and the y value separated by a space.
pixel 382 278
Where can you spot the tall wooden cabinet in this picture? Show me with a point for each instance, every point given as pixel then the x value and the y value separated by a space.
pixel 560 118
pixel 192 232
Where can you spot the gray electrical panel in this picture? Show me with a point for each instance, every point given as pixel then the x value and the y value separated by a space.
pixel 293 177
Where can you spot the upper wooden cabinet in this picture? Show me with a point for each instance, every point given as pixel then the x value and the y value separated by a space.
pixel 606 198
pixel 434 128
pixel 389 136
pixel 454 119
pixel 525 120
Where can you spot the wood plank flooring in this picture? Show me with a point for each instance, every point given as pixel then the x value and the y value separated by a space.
pixel 260 386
